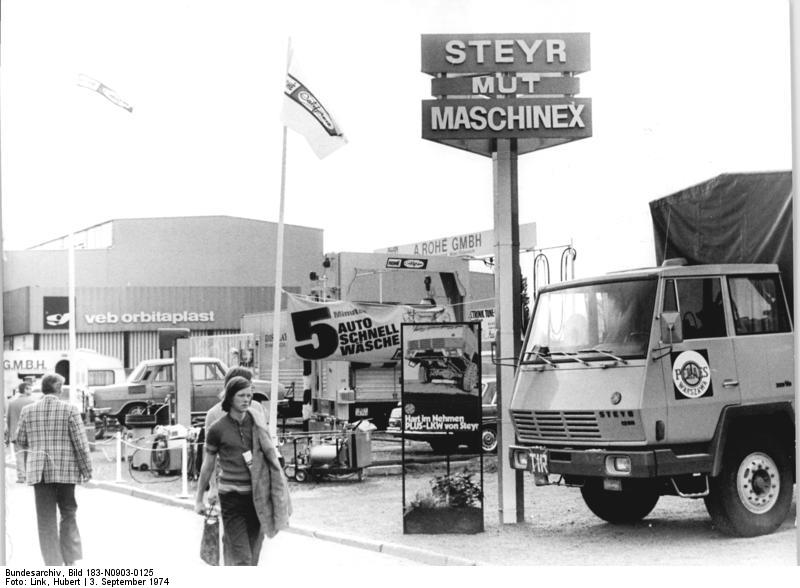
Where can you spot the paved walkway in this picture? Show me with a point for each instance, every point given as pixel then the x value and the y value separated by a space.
pixel 119 529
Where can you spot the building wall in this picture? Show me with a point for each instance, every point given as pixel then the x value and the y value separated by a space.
pixel 193 251
pixel 200 273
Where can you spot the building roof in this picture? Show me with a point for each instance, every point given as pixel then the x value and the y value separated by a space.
pixel 62 238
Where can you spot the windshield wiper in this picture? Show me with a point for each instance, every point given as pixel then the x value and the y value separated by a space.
pixel 540 353
pixel 606 353
pixel 573 356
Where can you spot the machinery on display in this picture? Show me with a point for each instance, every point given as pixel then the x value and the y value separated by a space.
pixel 673 380
pixel 310 456
pixel 161 452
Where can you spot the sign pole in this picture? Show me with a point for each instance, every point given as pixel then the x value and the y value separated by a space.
pixel 794 23
pixel 72 333
pixel 507 284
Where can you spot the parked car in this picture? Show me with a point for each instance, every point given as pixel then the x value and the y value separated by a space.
pixel 445 443
pixel 153 380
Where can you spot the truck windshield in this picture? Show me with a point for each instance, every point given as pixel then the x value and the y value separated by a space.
pixel 602 318
pixel 140 373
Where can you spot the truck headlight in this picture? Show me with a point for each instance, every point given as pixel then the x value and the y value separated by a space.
pixel 618 465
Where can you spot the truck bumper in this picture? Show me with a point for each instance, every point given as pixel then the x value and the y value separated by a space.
pixel 638 463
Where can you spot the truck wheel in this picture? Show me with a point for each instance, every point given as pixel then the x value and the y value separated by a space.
pixel 470 378
pixel 753 493
pixel 489 439
pixel 134 409
pixel 423 375
pixel 619 507
pixel 300 475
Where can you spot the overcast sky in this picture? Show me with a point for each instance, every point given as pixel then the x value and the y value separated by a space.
pixel 682 91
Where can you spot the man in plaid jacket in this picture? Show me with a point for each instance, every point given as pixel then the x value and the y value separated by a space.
pixel 52 433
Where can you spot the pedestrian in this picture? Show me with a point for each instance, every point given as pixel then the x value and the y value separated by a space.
pixel 253 492
pixel 52 433
pixel 212 416
pixel 215 412
pixel 23 398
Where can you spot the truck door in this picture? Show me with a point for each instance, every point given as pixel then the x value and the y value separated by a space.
pixel 763 341
pixel 700 372
pixel 163 382
pixel 207 379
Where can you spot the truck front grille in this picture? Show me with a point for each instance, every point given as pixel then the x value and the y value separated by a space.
pixel 437 343
pixel 547 424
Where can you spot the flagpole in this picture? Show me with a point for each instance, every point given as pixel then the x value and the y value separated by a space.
pixel 276 315
pixel 72 336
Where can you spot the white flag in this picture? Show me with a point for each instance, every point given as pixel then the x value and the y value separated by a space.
pixel 92 84
pixel 304 113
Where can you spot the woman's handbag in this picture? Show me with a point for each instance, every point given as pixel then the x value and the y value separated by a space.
pixel 209 545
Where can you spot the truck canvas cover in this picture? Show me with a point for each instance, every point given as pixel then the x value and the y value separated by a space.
pixel 732 218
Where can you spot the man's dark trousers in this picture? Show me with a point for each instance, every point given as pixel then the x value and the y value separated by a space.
pixel 60 544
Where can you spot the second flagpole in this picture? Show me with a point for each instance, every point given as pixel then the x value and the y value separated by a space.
pixel 278 291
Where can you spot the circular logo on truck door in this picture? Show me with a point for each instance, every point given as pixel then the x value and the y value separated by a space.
pixel 691 374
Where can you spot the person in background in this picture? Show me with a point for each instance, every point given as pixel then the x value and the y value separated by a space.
pixel 22 399
pixel 58 457
pixel 252 489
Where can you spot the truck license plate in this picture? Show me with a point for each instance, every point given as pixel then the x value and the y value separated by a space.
pixel 540 467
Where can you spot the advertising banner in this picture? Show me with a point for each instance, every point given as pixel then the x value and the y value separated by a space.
pixel 441 405
pixel 351 331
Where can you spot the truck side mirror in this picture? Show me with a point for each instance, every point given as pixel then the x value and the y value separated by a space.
pixel 671 327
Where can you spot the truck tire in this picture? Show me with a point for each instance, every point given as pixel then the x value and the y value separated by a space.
pixel 470 378
pixel 423 374
pixel 619 507
pixel 753 493
pixel 139 410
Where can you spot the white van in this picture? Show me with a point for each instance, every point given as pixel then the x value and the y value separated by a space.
pixel 91 371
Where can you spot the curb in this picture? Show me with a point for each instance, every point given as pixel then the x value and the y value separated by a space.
pixel 393 549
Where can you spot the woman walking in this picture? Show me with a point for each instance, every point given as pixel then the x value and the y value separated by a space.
pixel 253 492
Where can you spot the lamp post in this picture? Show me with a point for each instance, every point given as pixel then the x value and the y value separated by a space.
pixel 92 84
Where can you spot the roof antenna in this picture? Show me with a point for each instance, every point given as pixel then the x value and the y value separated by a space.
pixel 666 236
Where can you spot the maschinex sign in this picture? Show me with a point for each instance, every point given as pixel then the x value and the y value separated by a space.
pixel 506 86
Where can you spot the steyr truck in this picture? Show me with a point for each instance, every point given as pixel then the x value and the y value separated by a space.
pixel 672 380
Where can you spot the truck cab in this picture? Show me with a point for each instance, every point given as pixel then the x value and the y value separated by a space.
pixel 670 380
